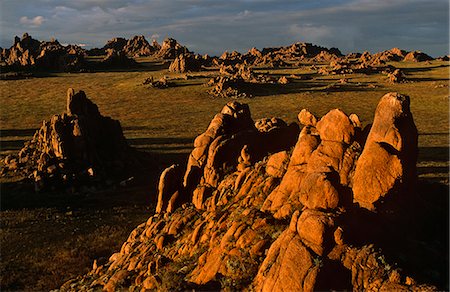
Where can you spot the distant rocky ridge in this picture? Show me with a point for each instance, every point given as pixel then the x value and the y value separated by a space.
pixel 138 46
pixel 28 53
pixel 77 147
pixel 266 206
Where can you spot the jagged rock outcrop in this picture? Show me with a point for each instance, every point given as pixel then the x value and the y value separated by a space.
pixel 325 56
pixel 279 57
pixel 116 44
pixel 257 214
pixel 28 53
pixel 117 59
pixel 186 63
pixel 138 46
pixel 23 52
pixel 300 50
pixel 53 56
pixel 417 56
pixel 394 54
pixel 76 147
pixel 170 49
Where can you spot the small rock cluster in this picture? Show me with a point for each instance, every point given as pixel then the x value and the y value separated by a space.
pixel 160 83
pixel 235 81
pixel 77 147
pixel 262 206
pixel 396 76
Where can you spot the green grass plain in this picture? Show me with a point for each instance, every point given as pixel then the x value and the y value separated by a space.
pixel 165 122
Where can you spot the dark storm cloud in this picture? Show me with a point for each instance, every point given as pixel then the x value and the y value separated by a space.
pixel 211 26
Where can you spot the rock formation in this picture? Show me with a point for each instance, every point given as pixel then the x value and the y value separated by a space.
pixel 386 169
pixel 394 54
pixel 417 56
pixel 28 53
pixel 263 207
pixel 396 76
pixel 160 83
pixel 23 52
pixel 279 57
pixel 76 147
pixel 170 49
pixel 184 63
pixel 117 59
pixel 138 47
pixel 116 44
pixel 235 81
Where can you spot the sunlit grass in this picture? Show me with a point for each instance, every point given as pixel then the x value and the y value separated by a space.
pixel 165 122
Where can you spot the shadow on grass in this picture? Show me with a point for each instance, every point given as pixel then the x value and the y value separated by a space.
pixel 12 145
pixel 142 190
pixel 416 79
pixel 302 86
pixel 422 69
pixel 158 141
pixel 433 154
pixel 17 132
pixel 96 67
pixel 19 75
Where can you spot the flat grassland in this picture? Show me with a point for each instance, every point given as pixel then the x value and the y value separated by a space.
pixel 47 239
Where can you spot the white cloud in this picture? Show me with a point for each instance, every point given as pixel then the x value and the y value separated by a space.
pixel 32 22
pixel 244 13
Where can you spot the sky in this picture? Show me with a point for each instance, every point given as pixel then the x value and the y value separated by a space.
pixel 213 26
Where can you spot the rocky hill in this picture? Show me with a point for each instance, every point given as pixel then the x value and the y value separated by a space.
pixel 266 206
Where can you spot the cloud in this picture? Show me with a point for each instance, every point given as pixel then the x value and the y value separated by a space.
pixel 32 22
pixel 211 26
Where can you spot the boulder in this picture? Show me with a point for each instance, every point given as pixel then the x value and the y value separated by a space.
pixel 170 183
pixel 397 76
pixel 387 165
pixel 288 266
pixel 277 164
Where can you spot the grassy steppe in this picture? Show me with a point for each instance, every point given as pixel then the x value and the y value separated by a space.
pixel 54 238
